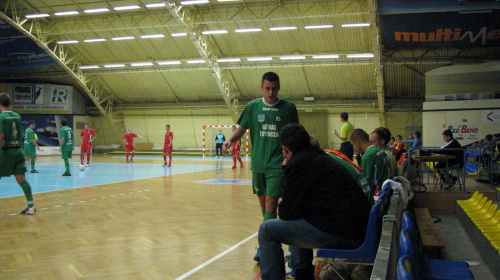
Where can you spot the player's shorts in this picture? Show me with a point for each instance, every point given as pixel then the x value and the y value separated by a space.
pixel 29 150
pixel 268 184
pixel 67 152
pixel 12 162
pixel 235 152
pixel 86 148
pixel 129 148
pixel 167 149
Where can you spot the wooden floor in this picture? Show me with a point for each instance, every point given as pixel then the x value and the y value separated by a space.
pixel 165 227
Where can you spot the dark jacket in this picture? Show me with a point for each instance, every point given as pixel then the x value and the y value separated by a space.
pixel 458 152
pixel 323 193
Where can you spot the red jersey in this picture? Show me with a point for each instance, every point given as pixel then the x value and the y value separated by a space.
pixel 129 138
pixel 169 135
pixel 87 134
pixel 236 146
pixel 397 147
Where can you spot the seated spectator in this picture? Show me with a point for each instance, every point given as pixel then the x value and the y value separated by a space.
pixel 380 137
pixel 415 143
pixel 451 143
pixel 321 207
pixel 398 148
pixel 374 161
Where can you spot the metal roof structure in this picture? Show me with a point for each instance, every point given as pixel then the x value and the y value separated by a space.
pixel 146 54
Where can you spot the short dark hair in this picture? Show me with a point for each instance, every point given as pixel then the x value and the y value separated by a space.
pixel 385 133
pixel 315 143
pixel 344 115
pixel 418 134
pixel 234 126
pixel 64 122
pixel 488 137
pixel 393 139
pixel 5 100
pixel 272 77
pixel 294 136
pixel 31 122
pixel 167 125
pixel 399 135
pixel 448 133
pixel 359 134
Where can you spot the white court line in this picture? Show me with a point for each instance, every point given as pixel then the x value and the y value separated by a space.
pixel 215 258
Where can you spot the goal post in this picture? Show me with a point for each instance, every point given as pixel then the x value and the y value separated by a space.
pixel 209 133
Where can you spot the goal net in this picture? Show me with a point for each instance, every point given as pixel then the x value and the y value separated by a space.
pixel 209 134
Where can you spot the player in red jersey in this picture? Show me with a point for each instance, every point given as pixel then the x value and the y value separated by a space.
pixel 167 147
pixel 235 151
pixel 129 144
pixel 88 136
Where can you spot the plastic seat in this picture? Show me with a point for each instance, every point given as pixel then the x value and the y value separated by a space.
pixel 430 268
pixel 492 211
pixel 490 222
pixel 368 250
pixel 492 236
pixel 478 206
pixel 481 211
pixel 492 228
pixel 405 268
pixel 471 201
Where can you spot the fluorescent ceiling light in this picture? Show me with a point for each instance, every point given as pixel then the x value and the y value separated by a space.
pixel 141 64
pixel 68 42
pixel 155 5
pixel 195 61
pixel 355 24
pixel 360 55
pixel 67 13
pixel 227 0
pixel 130 7
pixel 123 38
pixel 152 36
pixel 318 26
pixel 290 57
pixel 248 30
pixel 228 59
pixel 192 2
pixel 94 40
pixel 98 10
pixel 323 56
pixel 208 32
pixel 173 62
pixel 475 12
pixel 37 15
pixel 282 28
pixel 181 34
pixel 267 58
pixel 89 67
pixel 113 65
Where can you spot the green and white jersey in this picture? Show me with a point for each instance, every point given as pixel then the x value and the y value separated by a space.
pixel 30 134
pixel 67 133
pixel 10 125
pixel 377 167
pixel 265 122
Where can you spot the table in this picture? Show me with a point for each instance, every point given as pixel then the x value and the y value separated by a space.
pixel 420 162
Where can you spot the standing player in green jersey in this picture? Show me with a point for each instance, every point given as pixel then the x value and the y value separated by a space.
pixel 66 141
pixel 11 155
pixel 265 117
pixel 31 145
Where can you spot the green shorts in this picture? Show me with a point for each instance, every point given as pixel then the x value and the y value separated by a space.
pixel 268 184
pixel 29 150
pixel 12 162
pixel 66 153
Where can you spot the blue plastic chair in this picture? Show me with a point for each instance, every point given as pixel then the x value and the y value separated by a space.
pixel 368 250
pixel 429 268
pixel 405 268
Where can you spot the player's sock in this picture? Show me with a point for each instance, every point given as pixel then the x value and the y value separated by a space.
pixel 32 164
pixel 27 192
pixel 234 161
pixel 133 153
pixel 170 159
pixel 239 159
pixel 127 156
pixel 88 159
pixel 66 164
pixel 268 215
pixel 82 157
pixel 165 159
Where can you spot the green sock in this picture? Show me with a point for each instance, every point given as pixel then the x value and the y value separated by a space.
pixel 32 164
pixel 27 192
pixel 66 164
pixel 268 215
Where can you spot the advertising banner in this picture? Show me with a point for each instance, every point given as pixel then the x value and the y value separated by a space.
pixel 491 116
pixel 468 132
pixel 42 99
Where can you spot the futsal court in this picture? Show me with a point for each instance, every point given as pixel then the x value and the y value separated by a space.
pixel 197 219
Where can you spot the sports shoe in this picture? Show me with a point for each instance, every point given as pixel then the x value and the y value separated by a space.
pixel 87 165
pixel 66 174
pixel 29 211
pixel 234 167
pixel 170 164
pixel 34 171
pixel 128 161
pixel 131 161
pixel 165 164
pixel 257 256
pixel 242 166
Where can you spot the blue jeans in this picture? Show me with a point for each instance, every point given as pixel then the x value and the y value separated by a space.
pixel 299 234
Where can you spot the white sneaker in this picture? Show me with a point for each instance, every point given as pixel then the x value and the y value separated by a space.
pixel 87 165
pixel 29 211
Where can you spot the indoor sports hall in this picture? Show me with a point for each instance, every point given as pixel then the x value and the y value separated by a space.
pixel 151 89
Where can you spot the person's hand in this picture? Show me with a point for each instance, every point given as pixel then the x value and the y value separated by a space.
pixel 336 133
pixel 226 145
pixel 38 148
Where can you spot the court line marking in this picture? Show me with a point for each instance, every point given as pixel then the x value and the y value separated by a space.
pixel 192 271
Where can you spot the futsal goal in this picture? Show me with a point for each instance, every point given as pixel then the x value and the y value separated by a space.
pixel 209 133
